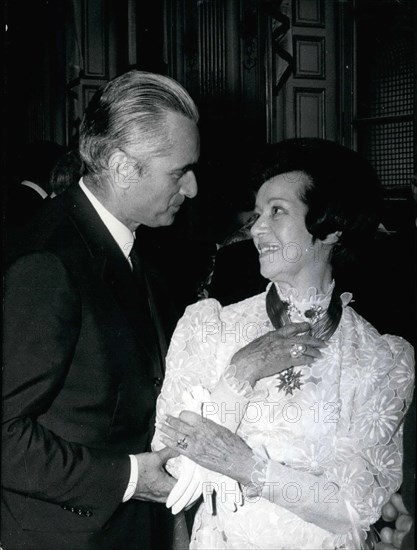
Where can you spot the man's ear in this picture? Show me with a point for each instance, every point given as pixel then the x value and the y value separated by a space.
pixel 121 168
pixel 332 238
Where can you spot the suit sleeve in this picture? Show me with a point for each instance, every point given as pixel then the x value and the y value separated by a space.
pixel 42 322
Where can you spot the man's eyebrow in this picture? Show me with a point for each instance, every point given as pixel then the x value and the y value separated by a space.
pixel 192 166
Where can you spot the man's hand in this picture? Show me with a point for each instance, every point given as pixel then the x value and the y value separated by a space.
pixel 153 481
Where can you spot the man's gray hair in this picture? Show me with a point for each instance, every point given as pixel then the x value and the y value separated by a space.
pixel 131 110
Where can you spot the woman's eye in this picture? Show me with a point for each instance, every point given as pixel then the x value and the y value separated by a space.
pixel 276 210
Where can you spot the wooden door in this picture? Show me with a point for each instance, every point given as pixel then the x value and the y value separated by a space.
pixel 306 104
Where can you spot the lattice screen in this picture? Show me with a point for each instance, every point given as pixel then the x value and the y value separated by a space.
pixel 388 145
pixel 390 151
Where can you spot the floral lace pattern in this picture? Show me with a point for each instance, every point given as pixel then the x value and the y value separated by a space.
pixel 344 425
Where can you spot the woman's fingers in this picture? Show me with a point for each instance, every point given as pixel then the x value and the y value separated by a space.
pixel 397 538
pixel 386 535
pixel 397 501
pixel 389 512
pixel 190 417
pixel 305 339
pixel 404 523
pixel 185 421
pixel 171 443
pixel 312 352
pixel 276 351
pixel 311 341
pixel 308 349
pixel 173 434
pixel 293 329
pixel 178 433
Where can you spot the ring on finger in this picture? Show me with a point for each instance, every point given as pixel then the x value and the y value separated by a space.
pixel 297 350
pixel 182 443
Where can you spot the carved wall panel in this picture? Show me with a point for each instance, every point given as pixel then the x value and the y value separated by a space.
pixel 309 112
pixel 308 13
pixel 95 42
pixel 309 56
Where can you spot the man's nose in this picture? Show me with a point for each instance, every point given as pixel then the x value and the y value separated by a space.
pixel 189 186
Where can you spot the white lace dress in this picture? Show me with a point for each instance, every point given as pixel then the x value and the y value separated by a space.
pixel 335 443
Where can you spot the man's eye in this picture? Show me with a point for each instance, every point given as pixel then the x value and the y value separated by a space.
pixel 181 173
pixel 276 210
pixel 177 175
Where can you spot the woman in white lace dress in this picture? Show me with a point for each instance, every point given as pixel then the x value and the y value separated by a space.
pixel 287 408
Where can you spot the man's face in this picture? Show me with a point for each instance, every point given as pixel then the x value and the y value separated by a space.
pixel 157 193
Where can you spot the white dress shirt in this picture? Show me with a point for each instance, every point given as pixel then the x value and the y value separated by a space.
pixel 35 187
pixel 124 239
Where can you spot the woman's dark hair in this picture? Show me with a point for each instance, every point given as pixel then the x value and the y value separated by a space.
pixel 343 194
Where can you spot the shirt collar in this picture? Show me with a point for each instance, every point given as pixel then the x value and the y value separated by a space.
pixel 120 233
pixel 35 187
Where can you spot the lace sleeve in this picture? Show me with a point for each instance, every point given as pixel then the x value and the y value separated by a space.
pixel 190 363
pixel 366 467
pixel 368 462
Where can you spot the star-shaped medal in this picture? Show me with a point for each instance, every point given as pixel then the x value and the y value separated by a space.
pixel 289 380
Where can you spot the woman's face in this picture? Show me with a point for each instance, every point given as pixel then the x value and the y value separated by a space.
pixel 286 249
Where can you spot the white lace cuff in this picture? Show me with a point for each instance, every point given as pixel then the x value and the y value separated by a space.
pixel 239 386
pixel 228 404
pixel 242 387
pixel 260 467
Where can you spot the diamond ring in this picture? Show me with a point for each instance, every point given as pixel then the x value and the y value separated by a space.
pixel 297 350
pixel 182 443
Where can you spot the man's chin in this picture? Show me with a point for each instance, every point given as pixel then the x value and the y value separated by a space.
pixel 162 221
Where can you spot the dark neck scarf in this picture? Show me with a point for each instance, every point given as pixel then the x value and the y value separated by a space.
pixel 323 329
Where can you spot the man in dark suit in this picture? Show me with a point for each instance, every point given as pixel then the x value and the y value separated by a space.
pixel 33 167
pixel 86 330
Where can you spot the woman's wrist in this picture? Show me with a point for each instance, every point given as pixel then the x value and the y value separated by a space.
pixel 242 373
pixel 244 473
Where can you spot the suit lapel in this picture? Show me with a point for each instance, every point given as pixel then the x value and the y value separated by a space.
pixel 113 268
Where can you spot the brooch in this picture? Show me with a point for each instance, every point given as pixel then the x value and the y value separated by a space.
pixel 314 313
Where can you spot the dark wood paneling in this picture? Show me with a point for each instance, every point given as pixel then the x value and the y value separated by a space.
pixel 309 55
pixel 309 112
pixel 95 40
pixel 308 13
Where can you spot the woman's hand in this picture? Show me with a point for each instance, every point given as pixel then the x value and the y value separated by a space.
pixel 394 510
pixel 208 444
pixel 271 353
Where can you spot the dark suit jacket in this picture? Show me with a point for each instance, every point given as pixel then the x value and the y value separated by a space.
pixel 81 374
pixel 21 204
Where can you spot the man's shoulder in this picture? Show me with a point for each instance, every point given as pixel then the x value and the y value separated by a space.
pixel 52 230
pixel 40 233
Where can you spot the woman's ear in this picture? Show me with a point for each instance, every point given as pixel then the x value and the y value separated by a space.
pixel 332 238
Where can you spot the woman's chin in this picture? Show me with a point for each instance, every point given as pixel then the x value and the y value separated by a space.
pixel 268 268
pixel 269 274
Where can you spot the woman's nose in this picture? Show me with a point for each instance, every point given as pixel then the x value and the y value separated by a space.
pixel 189 186
pixel 258 227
